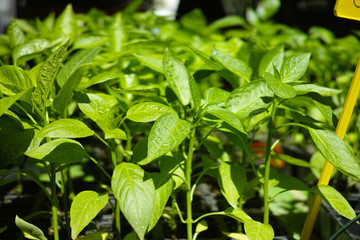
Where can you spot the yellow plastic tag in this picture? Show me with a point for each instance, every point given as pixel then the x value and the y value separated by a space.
pixel 348 9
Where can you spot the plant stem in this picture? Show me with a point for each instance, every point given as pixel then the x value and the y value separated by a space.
pixel 54 201
pixel 64 194
pixel 188 166
pixel 267 162
pixel 117 206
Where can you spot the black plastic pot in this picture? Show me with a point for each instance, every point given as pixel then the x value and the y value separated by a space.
pixel 329 221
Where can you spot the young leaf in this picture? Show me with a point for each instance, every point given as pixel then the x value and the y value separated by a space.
pixel 163 189
pixel 337 152
pixel 282 90
pixel 232 181
pixel 65 128
pixel 258 231
pixel 47 75
pixel 267 8
pixel 151 62
pixel 234 65
pixel 13 80
pixel 336 200
pixel 216 96
pixel 98 236
pixel 201 227
pixel 294 67
pixel 292 160
pixel 195 94
pixel 177 77
pixel 28 50
pixel 79 59
pixel 16 35
pixel 117 33
pixel 102 77
pixel 30 231
pixel 66 25
pixel 148 111
pixel 167 133
pixel 228 117
pixel 248 98
pixel 274 57
pixel 323 91
pixel 65 94
pixel 85 206
pixel 135 195
pixel 98 109
pixel 59 151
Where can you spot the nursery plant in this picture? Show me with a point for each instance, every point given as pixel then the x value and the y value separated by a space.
pixel 157 107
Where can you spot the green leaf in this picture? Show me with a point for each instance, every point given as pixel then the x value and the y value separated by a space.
pixel 201 226
pixel 100 78
pixel 177 77
pixel 317 160
pixel 323 91
pixel 337 152
pixel 194 20
pixel 274 57
pixel 59 151
pixel 65 128
pixel 336 200
pixel 65 94
pixel 267 8
pixel 151 62
pixel 248 98
pixel 228 117
pixel 174 165
pixel 216 96
pixel 97 236
pixel 7 102
pixel 167 133
pixel 282 90
pixel 87 41
pixel 228 21
pixel 234 65
pixel 13 80
pixel 148 111
pixel 131 236
pixel 292 160
pixel 29 50
pixel 135 195
pixel 195 94
pixel 117 33
pixel 66 25
pixel 294 67
pixel 232 181
pixel 29 230
pixel 80 58
pixel 98 109
pixel 258 231
pixel 163 189
pixel 16 35
pixel 85 206
pixel 47 75
pixel 14 140
pixel 207 60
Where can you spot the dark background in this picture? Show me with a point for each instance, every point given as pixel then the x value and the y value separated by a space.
pixel 295 13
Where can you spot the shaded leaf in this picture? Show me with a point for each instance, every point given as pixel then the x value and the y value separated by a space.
pixel 59 151
pixel 30 231
pixel 282 90
pixel 228 117
pixel 13 80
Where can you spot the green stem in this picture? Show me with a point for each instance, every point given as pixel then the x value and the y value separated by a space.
pixel 101 168
pixel 54 201
pixel 188 166
pixel 175 204
pixel 267 163
pixel 117 205
pixel 64 194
